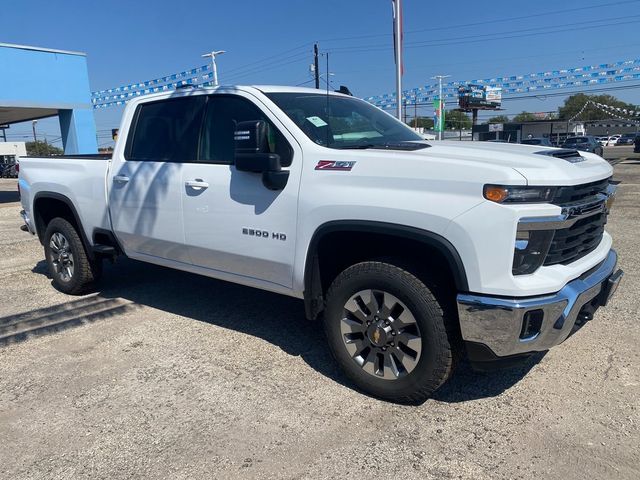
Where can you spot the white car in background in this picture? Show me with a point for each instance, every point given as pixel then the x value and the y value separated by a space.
pixel 612 140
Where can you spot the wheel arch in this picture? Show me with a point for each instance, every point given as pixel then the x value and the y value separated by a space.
pixel 315 281
pixel 48 205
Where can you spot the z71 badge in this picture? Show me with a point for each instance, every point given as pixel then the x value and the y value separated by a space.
pixel 333 165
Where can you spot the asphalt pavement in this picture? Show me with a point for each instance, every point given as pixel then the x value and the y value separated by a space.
pixel 163 374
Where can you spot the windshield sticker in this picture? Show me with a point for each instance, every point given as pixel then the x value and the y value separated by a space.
pixel 333 165
pixel 317 121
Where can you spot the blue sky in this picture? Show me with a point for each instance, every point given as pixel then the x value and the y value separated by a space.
pixel 271 41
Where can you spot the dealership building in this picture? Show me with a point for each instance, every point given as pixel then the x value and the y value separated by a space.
pixel 555 130
pixel 39 83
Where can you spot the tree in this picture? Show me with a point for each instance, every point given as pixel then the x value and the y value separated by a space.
pixel 524 117
pixel 456 120
pixel 499 119
pixel 42 149
pixel 575 103
pixel 424 122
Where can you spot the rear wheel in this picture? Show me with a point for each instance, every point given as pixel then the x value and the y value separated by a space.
pixel 388 332
pixel 70 268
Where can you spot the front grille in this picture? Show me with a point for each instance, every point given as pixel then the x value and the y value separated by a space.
pixel 577 193
pixel 581 238
pixel 570 244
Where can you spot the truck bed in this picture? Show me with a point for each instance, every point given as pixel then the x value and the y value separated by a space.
pixel 81 179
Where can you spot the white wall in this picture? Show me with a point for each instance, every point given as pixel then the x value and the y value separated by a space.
pixel 16 149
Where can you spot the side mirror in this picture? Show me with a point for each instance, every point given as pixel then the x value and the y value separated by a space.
pixel 252 154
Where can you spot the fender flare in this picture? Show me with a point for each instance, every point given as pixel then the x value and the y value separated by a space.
pixel 313 295
pixel 64 199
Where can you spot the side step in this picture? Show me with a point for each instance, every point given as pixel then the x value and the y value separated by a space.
pixel 105 250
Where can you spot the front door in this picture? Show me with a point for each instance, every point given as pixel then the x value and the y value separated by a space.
pixel 145 195
pixel 233 223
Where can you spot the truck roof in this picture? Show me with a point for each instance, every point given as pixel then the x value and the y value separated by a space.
pixel 231 88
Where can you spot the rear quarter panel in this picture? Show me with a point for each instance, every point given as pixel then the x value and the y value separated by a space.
pixel 80 180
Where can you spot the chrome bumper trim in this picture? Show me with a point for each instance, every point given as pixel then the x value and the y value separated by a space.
pixel 27 221
pixel 497 322
pixel 571 213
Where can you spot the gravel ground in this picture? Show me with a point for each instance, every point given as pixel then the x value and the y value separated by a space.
pixel 165 374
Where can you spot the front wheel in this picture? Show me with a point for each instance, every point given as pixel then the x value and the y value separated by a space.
pixel 70 268
pixel 388 332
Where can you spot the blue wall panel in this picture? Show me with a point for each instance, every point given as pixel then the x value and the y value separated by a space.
pixel 48 79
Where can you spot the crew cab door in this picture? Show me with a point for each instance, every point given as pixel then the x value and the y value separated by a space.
pixel 233 223
pixel 145 182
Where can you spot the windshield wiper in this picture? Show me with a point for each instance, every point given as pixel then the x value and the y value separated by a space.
pixel 360 146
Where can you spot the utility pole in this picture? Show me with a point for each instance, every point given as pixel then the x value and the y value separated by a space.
pixel 33 126
pixel 316 68
pixel 213 55
pixel 397 44
pixel 440 102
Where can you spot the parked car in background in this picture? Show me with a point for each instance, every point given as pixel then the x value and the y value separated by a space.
pixel 602 140
pixel 613 140
pixel 627 139
pixel 543 142
pixel 586 143
pixel 8 169
pixel 636 147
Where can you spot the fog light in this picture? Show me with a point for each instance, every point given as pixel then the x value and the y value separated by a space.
pixel 531 248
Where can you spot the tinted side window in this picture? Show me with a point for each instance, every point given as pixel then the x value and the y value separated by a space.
pixel 222 116
pixel 167 131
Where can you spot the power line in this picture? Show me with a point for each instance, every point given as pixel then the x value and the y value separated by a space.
pixel 484 22
pixel 484 37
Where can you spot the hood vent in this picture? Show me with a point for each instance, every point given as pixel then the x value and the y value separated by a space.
pixel 569 154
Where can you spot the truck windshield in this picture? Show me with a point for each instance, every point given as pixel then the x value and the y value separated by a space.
pixel 343 122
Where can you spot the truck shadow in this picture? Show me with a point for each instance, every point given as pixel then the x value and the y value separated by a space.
pixel 274 318
pixel 9 197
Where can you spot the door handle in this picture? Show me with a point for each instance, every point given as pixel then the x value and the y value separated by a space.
pixel 120 179
pixel 196 184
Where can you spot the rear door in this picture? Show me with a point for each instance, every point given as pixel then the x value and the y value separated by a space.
pixel 146 190
pixel 233 223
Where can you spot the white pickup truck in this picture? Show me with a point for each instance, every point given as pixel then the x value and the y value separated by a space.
pixel 411 253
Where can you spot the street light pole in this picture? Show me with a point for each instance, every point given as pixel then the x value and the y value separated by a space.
pixel 214 68
pixel 440 102
pixel 33 126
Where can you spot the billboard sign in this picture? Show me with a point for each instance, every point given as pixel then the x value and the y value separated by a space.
pixel 472 96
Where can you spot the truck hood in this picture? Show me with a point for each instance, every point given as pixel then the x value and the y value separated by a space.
pixel 535 163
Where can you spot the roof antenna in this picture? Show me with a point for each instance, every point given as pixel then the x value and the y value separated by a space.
pixel 328 116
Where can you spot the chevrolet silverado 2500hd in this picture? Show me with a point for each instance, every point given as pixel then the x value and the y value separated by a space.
pixel 410 253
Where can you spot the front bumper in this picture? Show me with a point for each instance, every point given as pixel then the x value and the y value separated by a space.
pixel 497 328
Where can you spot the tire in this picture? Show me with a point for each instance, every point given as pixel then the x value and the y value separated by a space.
pixel 389 370
pixel 69 266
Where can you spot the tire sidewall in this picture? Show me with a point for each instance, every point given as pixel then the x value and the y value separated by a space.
pixel 77 250
pixel 433 363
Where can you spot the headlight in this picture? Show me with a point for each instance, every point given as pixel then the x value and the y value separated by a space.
pixel 530 250
pixel 506 194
